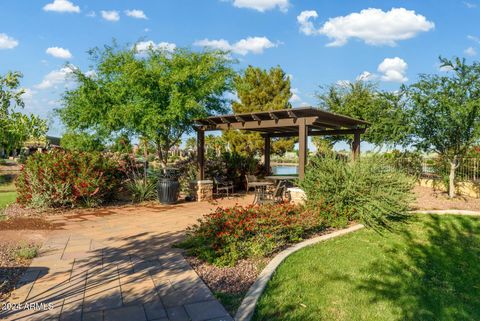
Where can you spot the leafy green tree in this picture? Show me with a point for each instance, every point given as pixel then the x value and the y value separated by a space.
pixel 260 90
pixel 323 146
pixel 82 142
pixel 445 112
pixel 122 144
pixel 155 94
pixel 191 143
pixel 361 99
pixel 214 146
pixel 15 127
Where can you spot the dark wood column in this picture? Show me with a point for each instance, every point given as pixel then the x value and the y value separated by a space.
pixel 356 146
pixel 302 148
pixel 201 154
pixel 266 155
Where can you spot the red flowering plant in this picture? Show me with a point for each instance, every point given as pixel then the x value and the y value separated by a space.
pixel 60 178
pixel 230 234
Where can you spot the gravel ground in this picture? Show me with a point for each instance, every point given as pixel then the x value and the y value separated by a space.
pixel 231 280
pixel 11 267
pixel 429 199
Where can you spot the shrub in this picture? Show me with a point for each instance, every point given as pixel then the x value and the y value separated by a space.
pixel 230 234
pixel 60 178
pixel 26 252
pixel 141 190
pixel 369 190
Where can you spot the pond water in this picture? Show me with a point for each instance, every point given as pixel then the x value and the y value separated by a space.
pixel 285 170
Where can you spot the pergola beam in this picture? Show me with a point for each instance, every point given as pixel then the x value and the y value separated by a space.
pixel 259 124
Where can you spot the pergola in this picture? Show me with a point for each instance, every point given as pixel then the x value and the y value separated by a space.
pixel 301 122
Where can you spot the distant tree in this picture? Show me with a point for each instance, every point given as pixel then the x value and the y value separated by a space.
pixel 361 99
pixel 323 146
pixel 122 144
pixel 82 142
pixel 191 143
pixel 154 94
pixel 445 112
pixel 260 90
pixel 15 127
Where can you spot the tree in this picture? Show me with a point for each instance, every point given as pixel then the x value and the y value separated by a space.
pixel 445 112
pixel 362 99
pixel 323 146
pixel 155 94
pixel 260 90
pixel 15 127
pixel 82 142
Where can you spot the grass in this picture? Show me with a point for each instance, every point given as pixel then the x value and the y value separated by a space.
pixel 424 270
pixel 7 190
pixel 231 301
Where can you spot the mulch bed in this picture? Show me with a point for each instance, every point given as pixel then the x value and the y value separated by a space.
pixel 11 268
pixel 28 223
pixel 231 280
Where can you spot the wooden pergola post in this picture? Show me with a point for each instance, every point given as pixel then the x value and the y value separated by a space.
pixel 266 155
pixel 302 148
pixel 201 154
pixel 356 145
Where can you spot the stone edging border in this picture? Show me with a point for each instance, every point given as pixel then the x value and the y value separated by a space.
pixel 452 212
pixel 247 307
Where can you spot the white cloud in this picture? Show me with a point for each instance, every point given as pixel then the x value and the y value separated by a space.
pixel 145 45
pixel 470 51
pixel 7 42
pixel 366 76
pixel 110 15
pixel 138 14
pixel 306 25
pixel 254 45
pixel 343 83
pixel 28 94
pixel 91 14
pixel 393 69
pixel 469 5
pixel 61 6
pixel 373 26
pixel 59 52
pixel 473 38
pixel 262 5
pixel 295 96
pixel 54 78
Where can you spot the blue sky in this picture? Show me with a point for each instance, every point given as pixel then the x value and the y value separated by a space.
pixel 316 42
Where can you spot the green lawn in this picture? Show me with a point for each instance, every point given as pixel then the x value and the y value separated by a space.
pixel 428 269
pixel 7 190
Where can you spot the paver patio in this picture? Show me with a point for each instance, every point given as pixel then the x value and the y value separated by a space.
pixel 118 264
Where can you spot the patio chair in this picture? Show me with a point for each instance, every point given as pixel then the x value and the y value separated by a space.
pixel 250 179
pixel 222 186
pixel 272 197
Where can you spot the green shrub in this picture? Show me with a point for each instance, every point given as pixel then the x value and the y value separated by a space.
pixel 369 190
pixel 61 178
pixel 141 190
pixel 26 252
pixel 229 234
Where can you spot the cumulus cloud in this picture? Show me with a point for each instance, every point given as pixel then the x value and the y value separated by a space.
pixel 54 78
pixel 254 45
pixel 393 69
pixel 306 25
pixel 137 14
pixel 91 14
pixel 7 42
pixel 58 52
pixel 473 38
pixel 110 15
pixel 61 6
pixel 145 45
pixel 469 5
pixel 470 51
pixel 373 26
pixel 262 5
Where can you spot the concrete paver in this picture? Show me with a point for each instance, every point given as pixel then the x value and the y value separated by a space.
pixel 119 264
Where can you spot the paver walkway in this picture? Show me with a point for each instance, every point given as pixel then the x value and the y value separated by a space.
pixel 118 265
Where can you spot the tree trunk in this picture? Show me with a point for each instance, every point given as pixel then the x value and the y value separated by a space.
pixel 451 177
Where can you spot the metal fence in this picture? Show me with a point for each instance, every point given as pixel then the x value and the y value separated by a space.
pixel 436 168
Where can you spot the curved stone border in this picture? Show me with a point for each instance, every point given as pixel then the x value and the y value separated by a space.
pixel 452 212
pixel 246 309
